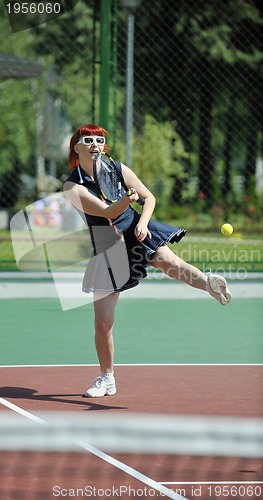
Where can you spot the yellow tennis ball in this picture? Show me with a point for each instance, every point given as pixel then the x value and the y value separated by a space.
pixel 227 229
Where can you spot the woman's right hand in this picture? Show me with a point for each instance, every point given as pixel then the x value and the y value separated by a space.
pixel 133 196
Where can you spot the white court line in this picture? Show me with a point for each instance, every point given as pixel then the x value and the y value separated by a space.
pixel 22 412
pixel 130 364
pixel 104 456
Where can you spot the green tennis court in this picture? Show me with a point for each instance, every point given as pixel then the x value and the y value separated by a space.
pixel 147 330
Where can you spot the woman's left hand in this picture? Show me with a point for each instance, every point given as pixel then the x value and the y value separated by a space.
pixel 141 232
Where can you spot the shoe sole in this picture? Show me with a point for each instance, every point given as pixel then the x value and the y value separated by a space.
pixel 108 393
pixel 219 286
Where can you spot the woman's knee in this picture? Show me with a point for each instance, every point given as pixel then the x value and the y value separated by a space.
pixel 104 313
pixel 103 325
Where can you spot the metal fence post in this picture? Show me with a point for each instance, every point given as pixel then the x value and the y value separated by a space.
pixel 105 62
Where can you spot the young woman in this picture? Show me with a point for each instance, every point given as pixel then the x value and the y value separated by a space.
pixel 117 226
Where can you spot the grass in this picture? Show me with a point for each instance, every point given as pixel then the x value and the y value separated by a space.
pixel 219 253
pixel 56 252
pixel 205 250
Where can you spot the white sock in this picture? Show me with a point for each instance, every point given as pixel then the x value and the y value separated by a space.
pixel 108 376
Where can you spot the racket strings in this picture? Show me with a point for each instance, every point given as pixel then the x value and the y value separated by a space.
pixel 109 181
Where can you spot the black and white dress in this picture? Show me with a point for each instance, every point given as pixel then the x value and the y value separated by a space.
pixel 119 259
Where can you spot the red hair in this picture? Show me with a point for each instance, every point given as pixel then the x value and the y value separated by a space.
pixel 91 129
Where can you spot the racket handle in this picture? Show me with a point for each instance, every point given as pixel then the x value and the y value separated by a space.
pixel 140 200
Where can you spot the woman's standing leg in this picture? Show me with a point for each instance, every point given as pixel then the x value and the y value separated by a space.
pixel 104 308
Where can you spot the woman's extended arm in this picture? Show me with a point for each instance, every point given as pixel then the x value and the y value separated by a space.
pixel 86 202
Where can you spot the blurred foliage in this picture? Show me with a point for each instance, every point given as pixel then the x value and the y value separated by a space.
pixel 198 105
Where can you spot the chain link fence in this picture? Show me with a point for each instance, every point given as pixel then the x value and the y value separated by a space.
pixel 177 84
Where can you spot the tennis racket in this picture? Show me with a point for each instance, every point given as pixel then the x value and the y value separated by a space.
pixel 109 180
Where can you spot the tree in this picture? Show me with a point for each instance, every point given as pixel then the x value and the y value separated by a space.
pixel 190 59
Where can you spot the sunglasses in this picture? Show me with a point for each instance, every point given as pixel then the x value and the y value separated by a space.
pixel 91 139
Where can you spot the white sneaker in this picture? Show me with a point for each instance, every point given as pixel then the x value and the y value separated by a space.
pixel 101 387
pixel 217 287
